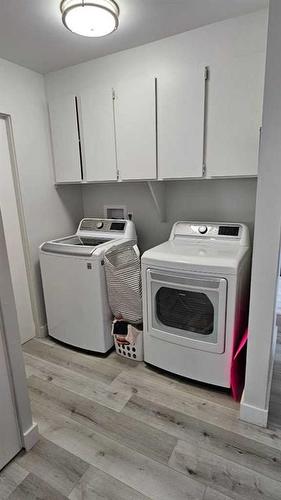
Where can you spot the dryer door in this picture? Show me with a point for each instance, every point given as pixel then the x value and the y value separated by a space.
pixel 187 309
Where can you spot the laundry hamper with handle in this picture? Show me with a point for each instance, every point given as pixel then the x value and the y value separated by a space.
pixel 123 278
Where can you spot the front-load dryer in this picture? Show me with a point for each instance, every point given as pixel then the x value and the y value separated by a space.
pixel 195 298
pixel 74 283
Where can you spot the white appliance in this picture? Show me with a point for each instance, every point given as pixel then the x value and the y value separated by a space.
pixel 74 282
pixel 195 292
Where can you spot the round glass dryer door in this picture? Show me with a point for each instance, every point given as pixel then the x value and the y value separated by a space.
pixel 187 309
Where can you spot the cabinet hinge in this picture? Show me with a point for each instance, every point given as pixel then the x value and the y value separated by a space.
pixel 204 169
pixel 260 134
pixel 113 95
pixel 206 73
pixel 118 174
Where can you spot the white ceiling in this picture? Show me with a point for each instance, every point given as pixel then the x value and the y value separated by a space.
pixel 31 32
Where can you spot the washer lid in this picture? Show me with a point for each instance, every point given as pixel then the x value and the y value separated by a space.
pixel 74 245
pixel 197 256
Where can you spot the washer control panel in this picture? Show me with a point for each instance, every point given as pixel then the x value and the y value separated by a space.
pixel 102 225
pixel 110 229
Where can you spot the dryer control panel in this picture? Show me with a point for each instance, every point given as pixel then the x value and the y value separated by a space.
pixel 211 230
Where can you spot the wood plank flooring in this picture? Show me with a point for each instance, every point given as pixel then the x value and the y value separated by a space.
pixel 115 429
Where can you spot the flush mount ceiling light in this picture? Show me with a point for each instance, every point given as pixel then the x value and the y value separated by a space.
pixel 90 18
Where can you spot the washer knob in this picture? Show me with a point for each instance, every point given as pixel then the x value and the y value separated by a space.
pixel 99 225
pixel 203 229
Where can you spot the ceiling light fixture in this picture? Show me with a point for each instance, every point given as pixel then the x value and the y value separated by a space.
pixel 90 18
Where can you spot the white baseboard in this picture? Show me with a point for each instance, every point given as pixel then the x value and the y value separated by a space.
pixel 27 339
pixel 253 415
pixel 43 331
pixel 30 437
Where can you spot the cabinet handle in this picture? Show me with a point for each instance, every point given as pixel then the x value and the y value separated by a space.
pixel 260 132
pixel 79 137
pixel 115 133
pixel 156 123
pixel 206 80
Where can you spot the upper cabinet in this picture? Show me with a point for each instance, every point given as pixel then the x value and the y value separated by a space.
pixel 135 121
pixel 65 138
pixel 97 133
pixel 181 119
pixel 191 122
pixel 235 100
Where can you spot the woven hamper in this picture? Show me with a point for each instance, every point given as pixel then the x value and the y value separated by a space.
pixel 123 278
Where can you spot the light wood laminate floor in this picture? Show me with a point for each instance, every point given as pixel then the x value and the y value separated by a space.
pixel 118 430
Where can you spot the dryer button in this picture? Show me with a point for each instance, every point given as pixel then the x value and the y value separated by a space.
pixel 202 229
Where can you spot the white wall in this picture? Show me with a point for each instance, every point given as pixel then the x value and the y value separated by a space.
pixel 209 44
pixel 265 269
pixel 212 200
pixel 49 212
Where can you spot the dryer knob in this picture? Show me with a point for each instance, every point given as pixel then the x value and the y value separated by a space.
pixel 99 225
pixel 203 229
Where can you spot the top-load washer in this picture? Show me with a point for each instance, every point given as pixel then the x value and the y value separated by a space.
pixel 74 282
pixel 195 293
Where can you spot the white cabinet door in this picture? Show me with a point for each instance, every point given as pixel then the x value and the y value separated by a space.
pixel 180 110
pixel 65 138
pixel 235 102
pixel 135 116
pixel 97 124
pixel 10 442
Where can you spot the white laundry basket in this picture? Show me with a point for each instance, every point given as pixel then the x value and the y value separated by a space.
pixel 132 351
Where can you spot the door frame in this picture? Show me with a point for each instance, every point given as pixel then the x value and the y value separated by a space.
pixel 20 210
pixel 3 341
pixel 11 339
